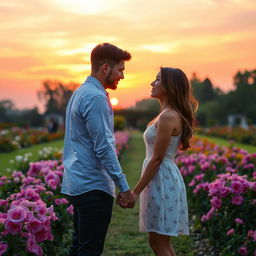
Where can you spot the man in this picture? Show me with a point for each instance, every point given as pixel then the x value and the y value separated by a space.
pixel 91 166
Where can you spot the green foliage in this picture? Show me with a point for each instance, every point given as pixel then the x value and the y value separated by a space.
pixel 55 95
pixel 119 123
pixel 9 115
pixel 215 106
pixel 141 114
pixel 5 158
pixel 204 90
pixel 147 105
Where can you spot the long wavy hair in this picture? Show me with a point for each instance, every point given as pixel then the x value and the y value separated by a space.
pixel 181 99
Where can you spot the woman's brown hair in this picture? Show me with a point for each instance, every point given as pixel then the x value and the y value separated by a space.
pixel 181 99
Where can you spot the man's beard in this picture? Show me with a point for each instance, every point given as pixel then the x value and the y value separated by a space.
pixel 111 83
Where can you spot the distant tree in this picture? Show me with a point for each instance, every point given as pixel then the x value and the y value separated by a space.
pixel 242 99
pixel 7 107
pixel 30 117
pixel 25 117
pixel 147 105
pixel 55 95
pixel 204 90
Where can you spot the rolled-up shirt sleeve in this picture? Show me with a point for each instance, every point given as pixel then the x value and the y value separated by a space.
pixel 100 128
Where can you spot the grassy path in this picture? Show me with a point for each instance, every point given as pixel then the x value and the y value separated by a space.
pixel 123 238
pixel 224 142
pixel 6 157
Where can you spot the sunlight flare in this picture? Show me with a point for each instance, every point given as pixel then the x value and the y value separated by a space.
pixel 114 101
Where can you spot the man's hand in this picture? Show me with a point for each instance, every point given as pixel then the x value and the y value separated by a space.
pixel 125 199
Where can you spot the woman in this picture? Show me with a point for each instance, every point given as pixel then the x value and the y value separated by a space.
pixel 163 202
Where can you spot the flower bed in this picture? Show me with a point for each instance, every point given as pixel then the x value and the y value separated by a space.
pixel 231 133
pixel 35 218
pixel 16 138
pixel 222 195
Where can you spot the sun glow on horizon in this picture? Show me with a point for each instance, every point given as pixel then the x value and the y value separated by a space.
pixel 213 38
pixel 114 101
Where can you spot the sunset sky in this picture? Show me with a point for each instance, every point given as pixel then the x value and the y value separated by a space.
pixel 52 39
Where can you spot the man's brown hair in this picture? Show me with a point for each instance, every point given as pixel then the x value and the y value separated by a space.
pixel 107 53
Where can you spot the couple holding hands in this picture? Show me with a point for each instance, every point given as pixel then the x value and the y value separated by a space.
pixel 91 167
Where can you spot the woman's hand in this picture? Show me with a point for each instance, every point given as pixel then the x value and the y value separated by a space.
pixel 135 196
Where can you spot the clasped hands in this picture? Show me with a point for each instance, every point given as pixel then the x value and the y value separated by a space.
pixel 126 199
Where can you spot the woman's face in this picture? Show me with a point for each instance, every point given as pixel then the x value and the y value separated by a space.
pixel 157 89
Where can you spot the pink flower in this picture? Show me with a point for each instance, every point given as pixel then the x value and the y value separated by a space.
pixel 52 183
pixel 254 236
pixel 3 202
pixel 224 191
pixel 33 247
pixel 70 209
pixel 41 209
pixel 34 226
pixel 250 233
pixel 12 228
pixel 236 187
pixel 31 194
pixel 204 218
pixel 216 202
pixel 47 223
pixel 3 248
pixel 252 185
pixel 60 201
pixel 239 221
pixel 231 232
pixel 243 250
pixel 41 235
pixel 191 168
pixel 17 214
pixel 33 169
pixel 237 200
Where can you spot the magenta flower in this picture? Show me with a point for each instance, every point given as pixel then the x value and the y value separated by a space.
pixel 34 226
pixel 236 187
pixel 231 232
pixel 243 250
pixel 31 194
pixel 3 202
pixel 216 202
pixel 254 236
pixel 12 228
pixel 3 248
pixel 60 201
pixel 41 235
pixel 237 200
pixel 70 209
pixel 250 233
pixel 239 221
pixel 252 185
pixel 17 214
pixel 33 247
pixel 52 183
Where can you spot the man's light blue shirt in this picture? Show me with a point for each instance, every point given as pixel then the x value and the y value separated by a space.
pixel 90 159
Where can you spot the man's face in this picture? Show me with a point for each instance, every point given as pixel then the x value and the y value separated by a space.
pixel 114 75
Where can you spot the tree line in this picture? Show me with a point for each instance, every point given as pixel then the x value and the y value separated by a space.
pixel 215 105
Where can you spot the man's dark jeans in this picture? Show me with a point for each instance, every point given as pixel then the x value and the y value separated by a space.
pixel 92 214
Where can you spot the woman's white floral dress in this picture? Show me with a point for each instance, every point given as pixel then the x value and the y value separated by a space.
pixel 163 203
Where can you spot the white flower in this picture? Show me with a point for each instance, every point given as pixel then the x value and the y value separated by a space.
pixel 19 158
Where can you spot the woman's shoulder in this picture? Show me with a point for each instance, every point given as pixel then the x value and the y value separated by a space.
pixel 168 116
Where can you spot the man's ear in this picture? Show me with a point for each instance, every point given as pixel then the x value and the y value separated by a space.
pixel 105 68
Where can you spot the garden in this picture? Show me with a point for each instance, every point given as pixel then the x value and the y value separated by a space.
pixel 17 137
pixel 221 186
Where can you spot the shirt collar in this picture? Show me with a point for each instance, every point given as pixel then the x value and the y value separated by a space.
pixel 97 83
